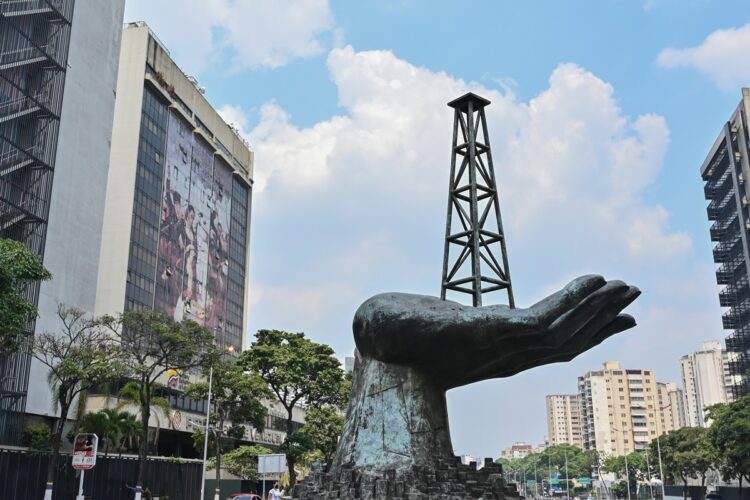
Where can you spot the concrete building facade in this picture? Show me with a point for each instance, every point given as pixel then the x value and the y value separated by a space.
pixel 725 172
pixel 705 377
pixel 177 214
pixel 176 222
pixel 671 407
pixel 58 73
pixel 619 412
pixel 564 419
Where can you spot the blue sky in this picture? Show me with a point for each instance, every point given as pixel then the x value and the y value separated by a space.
pixel 601 115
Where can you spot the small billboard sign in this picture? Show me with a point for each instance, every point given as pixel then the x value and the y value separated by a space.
pixel 84 451
pixel 271 464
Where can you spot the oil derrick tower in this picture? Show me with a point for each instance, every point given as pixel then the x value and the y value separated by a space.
pixel 475 259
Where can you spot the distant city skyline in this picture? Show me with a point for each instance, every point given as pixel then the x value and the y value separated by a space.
pixel 597 138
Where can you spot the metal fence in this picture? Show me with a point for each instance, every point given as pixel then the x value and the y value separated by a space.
pixel 23 476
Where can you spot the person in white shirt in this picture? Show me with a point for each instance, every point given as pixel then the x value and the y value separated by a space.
pixel 276 493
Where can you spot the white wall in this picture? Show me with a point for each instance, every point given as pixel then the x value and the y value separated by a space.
pixel 77 205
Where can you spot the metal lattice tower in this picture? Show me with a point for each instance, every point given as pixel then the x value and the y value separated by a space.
pixel 474 210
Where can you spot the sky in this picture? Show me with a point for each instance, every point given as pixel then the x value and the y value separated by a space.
pixel 602 113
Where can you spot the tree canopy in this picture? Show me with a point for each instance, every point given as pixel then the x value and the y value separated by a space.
pixel 242 461
pixel 553 459
pixel 19 267
pixel 151 343
pixel 79 356
pixel 730 433
pixel 686 453
pixel 323 426
pixel 298 371
pixel 235 396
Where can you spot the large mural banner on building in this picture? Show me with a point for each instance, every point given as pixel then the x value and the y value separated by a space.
pixel 194 232
pixel 196 259
pixel 218 263
pixel 177 232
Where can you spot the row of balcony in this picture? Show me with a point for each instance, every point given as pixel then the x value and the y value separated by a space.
pixel 734 293
pixel 718 188
pixel 60 10
pixel 731 271
pixel 721 209
pixel 728 250
pixel 722 228
pixel 737 316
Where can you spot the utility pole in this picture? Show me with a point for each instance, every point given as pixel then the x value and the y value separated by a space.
pixel 567 480
pixel 549 462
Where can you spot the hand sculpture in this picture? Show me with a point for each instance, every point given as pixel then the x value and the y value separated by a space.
pixel 413 348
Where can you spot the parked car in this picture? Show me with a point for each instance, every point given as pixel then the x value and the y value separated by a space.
pixel 714 495
pixel 244 496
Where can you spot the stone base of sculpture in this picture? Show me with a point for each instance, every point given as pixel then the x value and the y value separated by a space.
pixel 448 480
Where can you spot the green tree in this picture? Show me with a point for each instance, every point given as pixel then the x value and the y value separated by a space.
pixel 297 370
pixel 19 267
pixel 97 423
pixel 730 434
pixel 111 425
pixel 130 432
pixel 235 397
pixel 637 469
pixel 323 426
pixel 152 343
pixel 620 489
pixel 38 438
pixel 242 461
pixel 79 357
pixel 130 395
pixel 687 453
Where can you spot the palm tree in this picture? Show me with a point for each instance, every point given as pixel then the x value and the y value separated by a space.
pixel 129 395
pixel 98 423
pixel 130 432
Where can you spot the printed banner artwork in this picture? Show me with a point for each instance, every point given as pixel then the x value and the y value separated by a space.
pixel 173 378
pixel 218 263
pixel 84 451
pixel 194 232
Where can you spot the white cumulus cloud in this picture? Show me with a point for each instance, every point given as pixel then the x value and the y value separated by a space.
pixel 721 57
pixel 254 33
pixel 572 170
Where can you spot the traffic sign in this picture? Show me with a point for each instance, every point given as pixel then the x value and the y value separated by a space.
pixel 84 451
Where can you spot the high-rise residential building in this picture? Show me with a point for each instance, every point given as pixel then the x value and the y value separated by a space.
pixel 517 451
pixel 58 71
pixel 725 172
pixel 177 215
pixel 671 407
pixel 704 377
pixel 619 411
pixel 564 419
pixel 349 364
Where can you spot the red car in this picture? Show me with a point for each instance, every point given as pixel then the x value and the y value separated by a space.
pixel 244 496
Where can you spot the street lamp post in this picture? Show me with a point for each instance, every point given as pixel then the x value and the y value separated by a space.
pixel 658 449
pixel 549 462
pixel 627 472
pixel 650 480
pixel 661 471
pixel 567 480
pixel 229 349
pixel 205 433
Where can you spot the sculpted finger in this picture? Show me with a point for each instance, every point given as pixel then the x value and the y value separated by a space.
pixel 567 325
pixel 544 356
pixel 581 338
pixel 549 309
